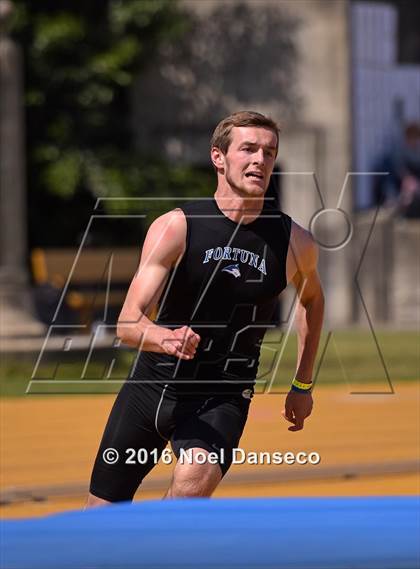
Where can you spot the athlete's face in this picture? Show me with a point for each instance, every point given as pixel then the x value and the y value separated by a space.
pixel 249 161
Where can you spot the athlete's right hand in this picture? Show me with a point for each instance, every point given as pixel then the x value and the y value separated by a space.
pixel 181 342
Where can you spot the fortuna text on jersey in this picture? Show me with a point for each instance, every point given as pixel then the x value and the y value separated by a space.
pixel 235 254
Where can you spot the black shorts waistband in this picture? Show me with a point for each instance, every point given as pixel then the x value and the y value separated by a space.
pixel 200 387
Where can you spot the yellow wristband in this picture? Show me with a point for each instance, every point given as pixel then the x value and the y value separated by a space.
pixel 301 385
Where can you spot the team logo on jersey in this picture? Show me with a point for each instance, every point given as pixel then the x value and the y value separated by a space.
pixel 233 270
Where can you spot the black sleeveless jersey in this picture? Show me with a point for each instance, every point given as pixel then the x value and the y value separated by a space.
pixel 226 289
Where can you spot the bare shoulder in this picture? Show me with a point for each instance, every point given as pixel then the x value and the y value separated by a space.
pixel 303 251
pixel 166 235
pixel 172 223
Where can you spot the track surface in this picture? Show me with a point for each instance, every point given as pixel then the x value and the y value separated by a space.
pixel 368 446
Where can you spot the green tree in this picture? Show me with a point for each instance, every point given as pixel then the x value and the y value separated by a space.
pixel 81 58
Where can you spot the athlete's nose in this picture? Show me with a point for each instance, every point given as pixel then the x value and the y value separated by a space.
pixel 258 157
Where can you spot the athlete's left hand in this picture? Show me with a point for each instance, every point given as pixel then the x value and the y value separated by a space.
pixel 298 407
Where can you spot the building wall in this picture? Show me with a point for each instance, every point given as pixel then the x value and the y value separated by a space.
pixel 386 265
pixel 386 93
pixel 324 82
pixel 386 96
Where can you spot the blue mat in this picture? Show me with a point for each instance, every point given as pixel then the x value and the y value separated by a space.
pixel 324 533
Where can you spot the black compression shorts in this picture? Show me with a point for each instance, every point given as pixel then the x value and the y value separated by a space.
pixel 148 415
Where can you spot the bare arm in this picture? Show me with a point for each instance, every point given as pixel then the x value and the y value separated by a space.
pixel 310 309
pixel 302 272
pixel 162 250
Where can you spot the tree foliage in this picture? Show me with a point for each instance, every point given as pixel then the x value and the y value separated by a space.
pixel 80 61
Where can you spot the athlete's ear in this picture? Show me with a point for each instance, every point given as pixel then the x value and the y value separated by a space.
pixel 218 158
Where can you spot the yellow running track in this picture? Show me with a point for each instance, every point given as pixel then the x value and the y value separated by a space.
pixel 368 445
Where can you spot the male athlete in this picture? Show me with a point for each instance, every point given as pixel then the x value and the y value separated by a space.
pixel 216 267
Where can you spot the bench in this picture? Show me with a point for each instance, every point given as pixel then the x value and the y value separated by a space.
pixel 96 281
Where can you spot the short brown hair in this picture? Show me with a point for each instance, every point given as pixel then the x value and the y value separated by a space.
pixel 221 136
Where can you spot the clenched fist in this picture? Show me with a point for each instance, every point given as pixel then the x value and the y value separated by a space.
pixel 181 342
pixel 298 407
